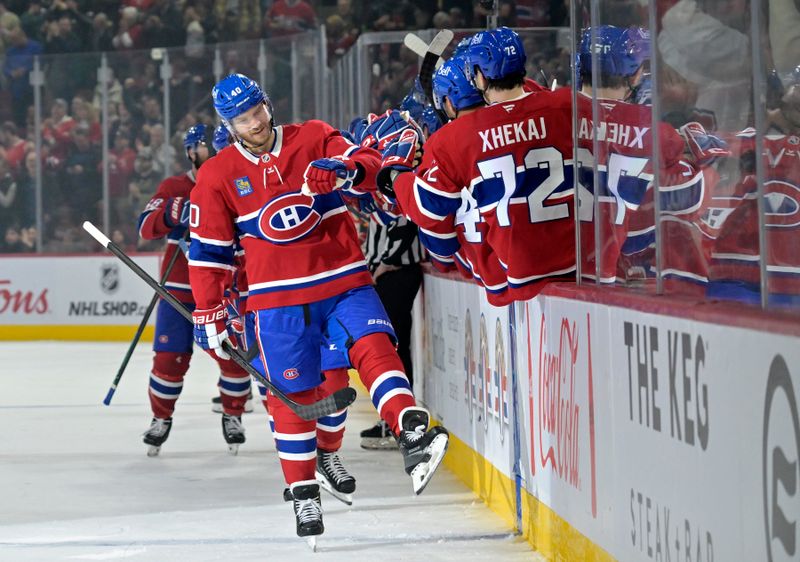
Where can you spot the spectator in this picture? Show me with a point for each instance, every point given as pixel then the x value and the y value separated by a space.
pixel 102 36
pixel 8 22
pixel 289 16
pixel 163 153
pixel 151 111
pixel 171 20
pixel 18 64
pixel 144 181
pixel 153 33
pixel 83 187
pixel 391 15
pixel 441 20
pixel 121 159
pixel 12 147
pixel 60 37
pixel 114 91
pixel 17 196
pixel 85 115
pixel 12 241
pixel 33 20
pixel 128 34
pixel 56 133
pixel 195 40
pixel 352 22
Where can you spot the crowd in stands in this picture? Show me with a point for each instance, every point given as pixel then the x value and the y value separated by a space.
pixel 69 36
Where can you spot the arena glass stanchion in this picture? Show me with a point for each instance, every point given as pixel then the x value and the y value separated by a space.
pixel 325 407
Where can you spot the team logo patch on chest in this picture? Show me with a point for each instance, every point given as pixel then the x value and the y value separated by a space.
pixel 288 218
pixel 243 186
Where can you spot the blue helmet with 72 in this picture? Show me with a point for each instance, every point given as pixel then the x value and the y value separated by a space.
pixel 496 53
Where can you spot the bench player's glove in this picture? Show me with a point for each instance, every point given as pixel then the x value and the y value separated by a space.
pixel 384 129
pixel 326 174
pixel 211 329
pixel 402 155
pixel 704 147
pixel 176 212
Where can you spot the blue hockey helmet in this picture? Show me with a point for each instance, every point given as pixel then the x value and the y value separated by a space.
pixel 450 81
pixel 462 45
pixel 619 50
pixel 430 119
pixel 414 102
pixel 497 53
pixel 235 94
pixel 221 138
pixel 195 135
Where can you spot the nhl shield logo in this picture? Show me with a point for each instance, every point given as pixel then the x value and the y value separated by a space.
pixel 109 278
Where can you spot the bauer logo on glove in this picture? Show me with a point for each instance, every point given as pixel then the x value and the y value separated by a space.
pixel 326 174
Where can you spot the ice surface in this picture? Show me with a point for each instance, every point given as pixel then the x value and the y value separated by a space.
pixel 76 484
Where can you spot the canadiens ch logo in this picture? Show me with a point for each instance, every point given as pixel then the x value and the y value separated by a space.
pixel 783 204
pixel 243 186
pixel 291 374
pixel 288 218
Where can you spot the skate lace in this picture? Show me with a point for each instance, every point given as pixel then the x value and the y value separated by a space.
pixel 233 425
pixel 157 427
pixel 308 510
pixel 334 467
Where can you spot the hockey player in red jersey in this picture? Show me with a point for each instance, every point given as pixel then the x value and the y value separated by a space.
pixel 308 281
pixel 624 158
pixel 732 220
pixel 167 215
pixel 501 175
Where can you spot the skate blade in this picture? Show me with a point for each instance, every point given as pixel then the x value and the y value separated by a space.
pixel 312 543
pixel 233 448
pixel 424 471
pixel 325 485
pixel 378 444
pixel 153 450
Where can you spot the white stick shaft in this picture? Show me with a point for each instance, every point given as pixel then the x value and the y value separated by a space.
pixel 96 234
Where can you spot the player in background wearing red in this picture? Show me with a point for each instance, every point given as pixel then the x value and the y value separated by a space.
pixel 308 283
pixel 167 215
pixel 732 219
pixel 626 171
pixel 501 175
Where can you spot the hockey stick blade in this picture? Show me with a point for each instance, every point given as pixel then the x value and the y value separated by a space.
pixel 325 407
pixel 428 66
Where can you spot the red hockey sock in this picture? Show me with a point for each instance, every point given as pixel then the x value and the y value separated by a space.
pixel 166 381
pixel 330 429
pixel 295 438
pixel 381 371
pixel 234 387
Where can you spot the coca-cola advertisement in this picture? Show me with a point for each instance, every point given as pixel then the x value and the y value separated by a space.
pixel 559 399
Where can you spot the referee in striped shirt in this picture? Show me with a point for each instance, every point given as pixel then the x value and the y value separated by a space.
pixel 393 253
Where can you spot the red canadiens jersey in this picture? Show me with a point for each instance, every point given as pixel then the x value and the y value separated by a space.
pixel 153 227
pixel 625 199
pixel 497 184
pixel 299 249
pixel 733 220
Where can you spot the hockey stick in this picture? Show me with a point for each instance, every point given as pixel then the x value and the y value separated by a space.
pixel 419 47
pixel 140 329
pixel 333 403
pixel 432 55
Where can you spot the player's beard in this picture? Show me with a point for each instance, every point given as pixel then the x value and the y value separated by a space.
pixel 258 140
